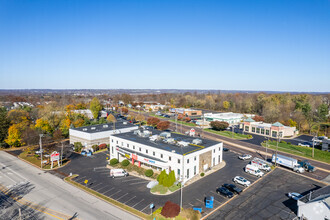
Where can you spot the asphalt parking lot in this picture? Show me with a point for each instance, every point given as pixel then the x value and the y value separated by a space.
pixel 267 198
pixel 132 190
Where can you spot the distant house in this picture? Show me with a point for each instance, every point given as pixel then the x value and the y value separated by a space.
pixel 266 129
pixel 153 107
pixel 315 205
pixel 88 113
pixel 186 112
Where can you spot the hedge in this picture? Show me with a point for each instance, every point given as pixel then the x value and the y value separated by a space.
pixel 149 173
pixel 125 163
pixel 114 161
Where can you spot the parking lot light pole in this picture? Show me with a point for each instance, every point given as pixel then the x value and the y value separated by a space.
pixel 278 137
pixel 313 146
pixel 40 149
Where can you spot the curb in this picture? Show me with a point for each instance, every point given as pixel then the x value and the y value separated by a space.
pixel 219 207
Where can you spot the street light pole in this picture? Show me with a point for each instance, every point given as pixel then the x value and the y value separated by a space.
pixel 182 180
pixel 62 155
pixel 278 137
pixel 40 149
pixel 313 146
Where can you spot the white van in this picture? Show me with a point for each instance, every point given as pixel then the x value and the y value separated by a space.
pixel 261 164
pixel 253 170
pixel 117 173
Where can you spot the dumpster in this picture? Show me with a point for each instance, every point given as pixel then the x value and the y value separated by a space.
pixel 209 202
pixel 197 208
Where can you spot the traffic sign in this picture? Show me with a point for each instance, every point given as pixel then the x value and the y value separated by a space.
pixel 86 181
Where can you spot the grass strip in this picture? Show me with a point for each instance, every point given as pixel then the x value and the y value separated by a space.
pixel 184 123
pixel 319 155
pixel 229 134
pixel 105 198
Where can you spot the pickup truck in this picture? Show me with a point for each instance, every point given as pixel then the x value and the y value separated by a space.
pixel 306 165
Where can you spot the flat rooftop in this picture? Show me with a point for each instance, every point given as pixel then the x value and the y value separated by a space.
pixel 120 124
pixel 159 144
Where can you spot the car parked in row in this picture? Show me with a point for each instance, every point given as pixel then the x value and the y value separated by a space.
pixel 245 157
pixel 306 144
pixel 294 195
pixel 242 181
pixel 233 188
pixel 225 192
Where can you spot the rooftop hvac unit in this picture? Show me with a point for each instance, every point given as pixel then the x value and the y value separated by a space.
pixel 173 151
pixel 84 129
pixel 93 128
pixel 197 141
pixel 105 126
pixel 146 133
pixel 125 123
pixel 153 137
pixel 165 134
pixel 169 140
pixel 183 144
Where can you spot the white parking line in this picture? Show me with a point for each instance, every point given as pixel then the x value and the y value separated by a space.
pixel 199 200
pixel 76 179
pixel 134 179
pixel 115 193
pixel 129 200
pixel 92 187
pixel 102 187
pixel 138 183
pixel 137 203
pixel 144 208
pixel 122 196
pixel 108 190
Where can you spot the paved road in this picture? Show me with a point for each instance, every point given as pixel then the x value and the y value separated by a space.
pixel 56 198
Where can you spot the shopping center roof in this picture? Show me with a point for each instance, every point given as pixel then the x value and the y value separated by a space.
pixel 120 124
pixel 160 144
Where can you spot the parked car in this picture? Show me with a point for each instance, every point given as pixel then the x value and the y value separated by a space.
pixel 118 173
pixel 233 188
pixel 224 191
pixel 305 144
pixel 242 181
pixel 251 169
pixel 294 195
pixel 225 149
pixel 245 157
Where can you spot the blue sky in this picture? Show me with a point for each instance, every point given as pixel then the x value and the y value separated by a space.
pixel 223 44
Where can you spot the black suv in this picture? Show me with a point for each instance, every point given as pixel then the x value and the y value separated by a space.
pixel 224 191
pixel 232 188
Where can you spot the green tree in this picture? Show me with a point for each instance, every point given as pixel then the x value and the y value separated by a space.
pixel 322 112
pixel 225 104
pixel 161 177
pixel 172 177
pixel 219 125
pixel 4 124
pixel 95 107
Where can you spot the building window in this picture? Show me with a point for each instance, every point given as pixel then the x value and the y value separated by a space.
pixel 253 129
pixel 161 156
pixel 194 170
pixel 274 134
pixel 213 161
pixel 195 158
pixel 213 150
pixel 178 172
pixel 117 142
pixel 246 128
pixel 112 149
pixel 133 147
pixel 187 160
pixel 127 145
pixel 178 160
pixel 187 173
pixel 219 148
pixel 140 149
pixel 153 153
pixel 146 151
pixel 267 132
pixel 112 140
pixel 169 158
pixel 258 130
pixel 219 159
pixel 280 134
pixel 262 131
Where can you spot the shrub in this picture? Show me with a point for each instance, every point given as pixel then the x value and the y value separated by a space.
pixel 250 136
pixel 202 174
pixel 95 147
pixel 149 173
pixel 77 146
pixel 219 125
pixel 170 210
pixel 125 163
pixel 102 146
pixel 283 142
pixel 114 161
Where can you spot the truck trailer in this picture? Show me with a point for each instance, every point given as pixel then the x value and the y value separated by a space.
pixel 288 162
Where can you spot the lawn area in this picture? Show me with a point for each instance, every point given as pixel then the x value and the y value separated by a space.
pixel 162 189
pixel 300 150
pixel 184 214
pixel 156 116
pixel 105 198
pixel 229 134
pixel 184 123
pixel 36 160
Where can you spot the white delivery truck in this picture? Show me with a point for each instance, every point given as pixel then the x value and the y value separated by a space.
pixel 288 162
pixel 261 164
pixel 253 170
pixel 117 173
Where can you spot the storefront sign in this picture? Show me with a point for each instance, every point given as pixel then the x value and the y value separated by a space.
pixel 54 156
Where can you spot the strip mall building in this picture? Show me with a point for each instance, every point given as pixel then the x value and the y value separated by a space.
pixel 186 155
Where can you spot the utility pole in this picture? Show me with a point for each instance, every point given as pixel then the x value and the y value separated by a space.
pixel 40 148
pixel 278 137
pixel 313 145
pixel 62 155
pixel 266 147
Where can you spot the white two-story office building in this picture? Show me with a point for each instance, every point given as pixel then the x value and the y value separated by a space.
pixel 186 155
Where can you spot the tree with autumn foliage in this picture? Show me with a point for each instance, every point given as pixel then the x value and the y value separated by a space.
pixel 112 119
pixel 95 107
pixel 180 116
pixel 124 110
pixel 163 125
pixel 43 126
pixel 14 136
pixel 258 118
pixel 153 121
